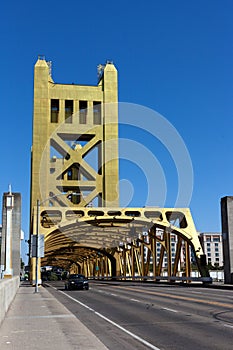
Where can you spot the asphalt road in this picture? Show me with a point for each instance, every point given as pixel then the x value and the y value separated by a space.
pixel 140 316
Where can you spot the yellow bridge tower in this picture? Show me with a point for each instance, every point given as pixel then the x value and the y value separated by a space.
pixel 75 194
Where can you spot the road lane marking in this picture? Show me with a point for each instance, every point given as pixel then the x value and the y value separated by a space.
pixel 166 308
pixel 228 325
pixel 77 301
pixel 201 301
pixel 141 340
pixel 119 296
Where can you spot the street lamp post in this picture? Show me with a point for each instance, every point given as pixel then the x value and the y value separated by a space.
pixel 37 243
pixel 38 204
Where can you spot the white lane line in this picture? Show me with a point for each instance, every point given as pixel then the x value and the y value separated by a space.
pixel 52 287
pixel 141 340
pixel 77 301
pixel 228 325
pixel 116 295
pixel 166 308
pixel 103 292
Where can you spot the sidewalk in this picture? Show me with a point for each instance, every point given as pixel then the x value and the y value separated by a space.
pixel 39 321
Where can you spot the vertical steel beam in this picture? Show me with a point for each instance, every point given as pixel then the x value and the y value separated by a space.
pixel 177 256
pixel 168 249
pixel 187 260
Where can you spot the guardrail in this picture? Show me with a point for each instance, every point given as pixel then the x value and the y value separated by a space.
pixel 155 279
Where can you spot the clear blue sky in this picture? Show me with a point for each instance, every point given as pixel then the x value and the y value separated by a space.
pixel 175 57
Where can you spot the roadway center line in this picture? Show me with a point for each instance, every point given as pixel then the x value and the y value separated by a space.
pixel 137 301
pixel 141 340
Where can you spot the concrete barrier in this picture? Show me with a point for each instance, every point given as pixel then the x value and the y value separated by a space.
pixel 8 289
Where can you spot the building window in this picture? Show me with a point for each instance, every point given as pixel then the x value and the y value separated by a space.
pixel 54 111
pixel 82 112
pixel 208 244
pixel 208 239
pixel 68 111
pixel 96 113
pixel 216 254
pixel 216 239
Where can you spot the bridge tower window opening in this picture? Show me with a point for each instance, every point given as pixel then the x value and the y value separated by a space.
pixel 69 109
pixel 96 113
pixel 54 110
pixel 82 112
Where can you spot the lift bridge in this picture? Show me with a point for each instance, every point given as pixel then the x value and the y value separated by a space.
pixel 76 205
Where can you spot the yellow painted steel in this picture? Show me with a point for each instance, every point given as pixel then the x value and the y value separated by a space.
pixel 69 122
pixel 130 238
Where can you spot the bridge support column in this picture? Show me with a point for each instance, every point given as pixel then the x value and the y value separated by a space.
pixel 11 235
pixel 227 236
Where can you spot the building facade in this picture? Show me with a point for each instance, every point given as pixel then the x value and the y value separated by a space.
pixel 212 243
pixel 212 246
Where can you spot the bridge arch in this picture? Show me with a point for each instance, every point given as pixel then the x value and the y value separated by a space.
pixel 126 244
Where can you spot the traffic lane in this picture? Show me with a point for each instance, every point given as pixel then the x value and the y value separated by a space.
pixel 204 293
pixel 210 315
pixel 159 326
pixel 177 302
pixel 110 335
pixel 174 336
pixel 176 299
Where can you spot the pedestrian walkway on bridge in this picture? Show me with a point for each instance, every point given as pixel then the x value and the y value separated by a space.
pixel 39 321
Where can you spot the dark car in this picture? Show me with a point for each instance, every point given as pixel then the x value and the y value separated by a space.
pixel 76 281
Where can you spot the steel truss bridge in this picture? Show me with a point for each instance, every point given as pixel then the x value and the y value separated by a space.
pixel 129 243
pixel 71 122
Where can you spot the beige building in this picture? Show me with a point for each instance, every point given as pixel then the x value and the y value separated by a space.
pixel 213 249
